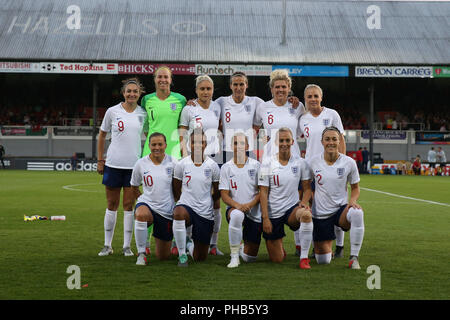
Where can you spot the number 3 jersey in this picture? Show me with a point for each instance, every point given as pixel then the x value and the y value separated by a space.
pixel 197 185
pixel 312 127
pixel 331 184
pixel 126 130
pixel 242 183
pixel 283 182
pixel 156 181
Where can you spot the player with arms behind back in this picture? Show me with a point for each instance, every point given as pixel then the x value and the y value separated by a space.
pixel 155 206
pixel 332 171
pixel 239 190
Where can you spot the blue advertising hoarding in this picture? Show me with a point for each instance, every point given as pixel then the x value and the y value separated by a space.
pixel 314 71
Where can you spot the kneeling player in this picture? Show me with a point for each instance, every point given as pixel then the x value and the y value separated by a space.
pixel 155 205
pixel 239 190
pixel 196 175
pixel 279 180
pixel 332 171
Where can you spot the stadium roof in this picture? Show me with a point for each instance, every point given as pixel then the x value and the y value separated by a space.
pixel 227 31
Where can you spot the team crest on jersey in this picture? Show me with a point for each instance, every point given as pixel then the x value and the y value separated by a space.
pixel 173 106
pixel 291 111
pixel 169 171
pixel 251 173
pixel 294 170
pixel 326 122
pixel 207 173
pixel 247 108
pixel 340 171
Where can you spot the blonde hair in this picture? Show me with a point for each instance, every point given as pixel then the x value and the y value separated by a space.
pixel 309 86
pixel 280 74
pixel 203 77
pixel 160 68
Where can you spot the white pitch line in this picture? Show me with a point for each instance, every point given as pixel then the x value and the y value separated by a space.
pixel 70 187
pixel 409 198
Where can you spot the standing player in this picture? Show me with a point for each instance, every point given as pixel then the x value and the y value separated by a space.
pixel 239 190
pixel 155 205
pixel 332 171
pixel 204 114
pixel 237 113
pixel 163 108
pixel 196 175
pixel 125 121
pixel 311 125
pixel 279 179
pixel 279 112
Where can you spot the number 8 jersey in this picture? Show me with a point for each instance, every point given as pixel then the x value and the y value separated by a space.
pixel 126 129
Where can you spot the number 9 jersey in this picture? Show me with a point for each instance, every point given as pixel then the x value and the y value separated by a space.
pixel 126 130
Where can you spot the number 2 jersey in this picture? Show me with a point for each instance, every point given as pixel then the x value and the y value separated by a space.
pixel 197 183
pixel 283 182
pixel 242 183
pixel 126 130
pixel 331 184
pixel 156 181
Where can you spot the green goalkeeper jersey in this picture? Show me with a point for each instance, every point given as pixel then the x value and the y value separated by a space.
pixel 163 116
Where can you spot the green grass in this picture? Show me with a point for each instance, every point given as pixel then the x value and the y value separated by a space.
pixel 407 239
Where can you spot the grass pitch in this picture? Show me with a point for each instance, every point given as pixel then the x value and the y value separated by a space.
pixel 407 239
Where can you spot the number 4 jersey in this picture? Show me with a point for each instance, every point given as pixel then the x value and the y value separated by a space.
pixel 156 181
pixel 242 183
pixel 126 129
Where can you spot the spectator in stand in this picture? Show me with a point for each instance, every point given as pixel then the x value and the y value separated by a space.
pixel 417 165
pixel 2 153
pixel 365 155
pixel 359 160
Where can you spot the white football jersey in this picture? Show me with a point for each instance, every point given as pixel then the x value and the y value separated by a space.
pixel 273 117
pixel 238 117
pixel 208 119
pixel 197 185
pixel 312 127
pixel 126 129
pixel 283 182
pixel 156 181
pixel 242 184
pixel 331 184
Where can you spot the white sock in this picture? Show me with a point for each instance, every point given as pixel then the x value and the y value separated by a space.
pixel 109 225
pixel 323 258
pixel 190 248
pixel 140 235
pixel 297 237
pixel 217 223
pixel 189 231
pixel 248 258
pixel 235 228
pixel 306 235
pixel 339 236
pixel 179 233
pixel 356 219
pixel 128 224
